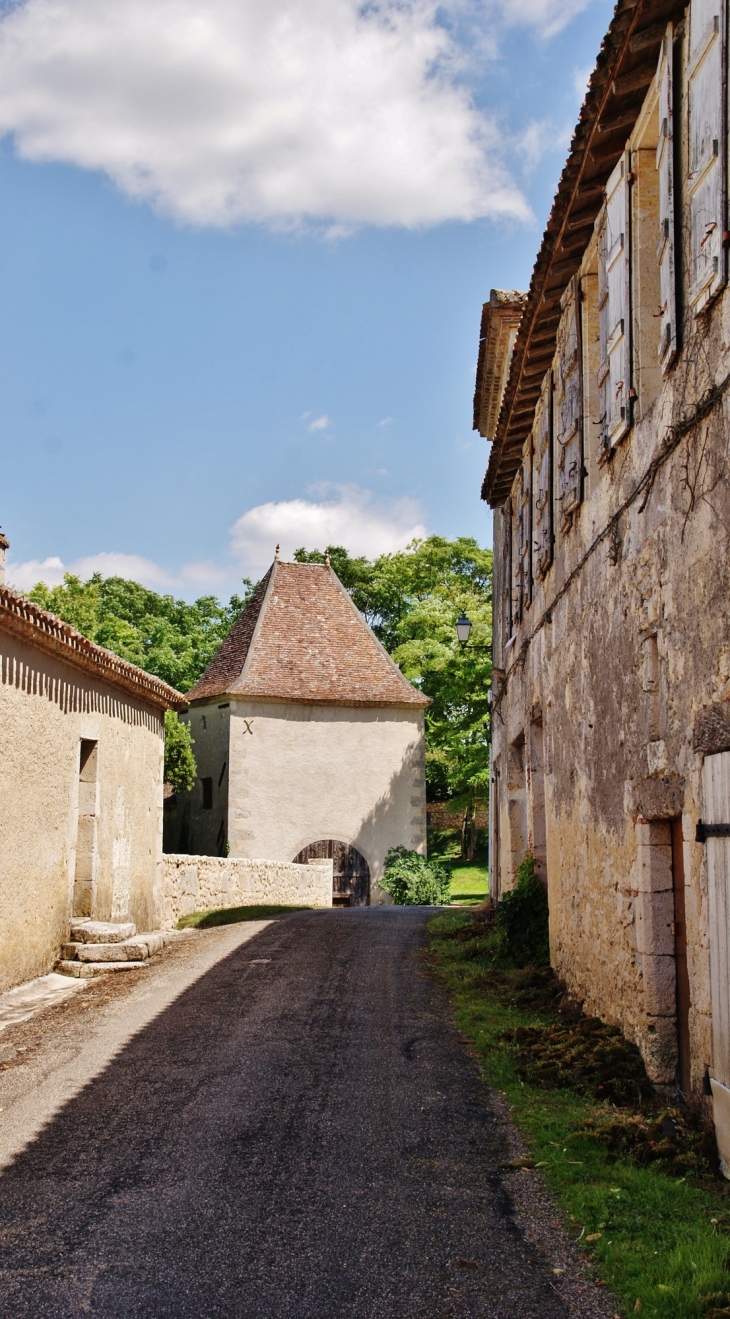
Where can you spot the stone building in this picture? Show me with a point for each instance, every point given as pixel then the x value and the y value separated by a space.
pixel 82 751
pixel 609 479
pixel 309 740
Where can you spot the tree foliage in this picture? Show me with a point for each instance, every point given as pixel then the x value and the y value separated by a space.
pixel 412 881
pixel 167 637
pixel 180 767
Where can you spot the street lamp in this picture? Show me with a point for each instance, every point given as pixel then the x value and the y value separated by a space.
pixel 463 628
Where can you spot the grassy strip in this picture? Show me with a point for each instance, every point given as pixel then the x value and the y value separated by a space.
pixel 658 1242
pixel 469 882
pixel 469 879
pixel 205 920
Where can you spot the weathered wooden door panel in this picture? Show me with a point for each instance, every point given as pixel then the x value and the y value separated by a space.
pixel 716 810
pixel 350 871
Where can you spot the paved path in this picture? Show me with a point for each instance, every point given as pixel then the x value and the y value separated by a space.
pixel 301 1133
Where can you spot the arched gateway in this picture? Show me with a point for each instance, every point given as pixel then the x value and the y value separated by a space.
pixel 351 873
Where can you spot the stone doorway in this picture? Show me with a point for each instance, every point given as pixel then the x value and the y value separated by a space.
pixel 351 873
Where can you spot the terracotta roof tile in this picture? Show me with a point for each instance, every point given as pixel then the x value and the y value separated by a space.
pixel 300 638
pixel 227 663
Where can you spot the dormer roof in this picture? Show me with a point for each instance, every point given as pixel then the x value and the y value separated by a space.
pixel 300 638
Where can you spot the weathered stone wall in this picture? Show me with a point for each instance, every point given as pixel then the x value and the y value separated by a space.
pixel 617 682
pixel 206 883
pixel 46 708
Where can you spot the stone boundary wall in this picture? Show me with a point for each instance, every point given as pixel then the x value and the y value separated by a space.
pixel 440 816
pixel 203 883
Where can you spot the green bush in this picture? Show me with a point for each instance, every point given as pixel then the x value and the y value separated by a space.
pixel 412 881
pixel 522 918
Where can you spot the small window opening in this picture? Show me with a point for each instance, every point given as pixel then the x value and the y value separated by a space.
pixel 207 785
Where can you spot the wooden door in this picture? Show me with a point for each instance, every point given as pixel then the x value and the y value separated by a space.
pixel 716 812
pixel 350 871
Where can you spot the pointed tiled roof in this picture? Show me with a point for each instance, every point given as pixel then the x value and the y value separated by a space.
pixel 300 638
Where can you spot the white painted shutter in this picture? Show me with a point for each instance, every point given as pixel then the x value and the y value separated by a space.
pixel 716 810
pixel 665 166
pixel 707 150
pixel 569 404
pixel 614 372
pixel 542 447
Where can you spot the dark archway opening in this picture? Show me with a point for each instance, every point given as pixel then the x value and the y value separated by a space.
pixel 351 873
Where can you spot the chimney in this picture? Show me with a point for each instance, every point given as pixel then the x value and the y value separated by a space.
pixel 4 545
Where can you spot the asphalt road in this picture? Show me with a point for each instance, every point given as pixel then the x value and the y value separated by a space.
pixel 300 1134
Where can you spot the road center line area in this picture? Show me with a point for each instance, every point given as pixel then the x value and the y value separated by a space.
pixel 279 1120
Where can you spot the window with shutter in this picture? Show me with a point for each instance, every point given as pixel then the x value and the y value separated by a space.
pixel 614 373
pixel 542 512
pixel 665 167
pixel 522 581
pixel 707 150
pixel 569 405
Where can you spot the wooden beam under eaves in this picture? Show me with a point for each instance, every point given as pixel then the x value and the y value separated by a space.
pixel 634 81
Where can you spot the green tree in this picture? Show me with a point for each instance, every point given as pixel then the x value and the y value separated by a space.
pixel 168 637
pixel 180 767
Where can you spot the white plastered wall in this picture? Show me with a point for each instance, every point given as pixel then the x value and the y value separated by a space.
pixel 299 773
pixel 46 708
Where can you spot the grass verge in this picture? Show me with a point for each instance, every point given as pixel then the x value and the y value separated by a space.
pixel 469 879
pixel 205 920
pixel 659 1240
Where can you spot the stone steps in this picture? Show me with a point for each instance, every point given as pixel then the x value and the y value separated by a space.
pixel 96 947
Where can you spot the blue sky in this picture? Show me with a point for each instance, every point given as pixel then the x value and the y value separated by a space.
pixel 242 260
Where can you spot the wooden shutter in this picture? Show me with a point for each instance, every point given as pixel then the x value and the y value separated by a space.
pixel 716 810
pixel 522 579
pixel 707 149
pixel 569 404
pixel 542 446
pixel 665 167
pixel 506 582
pixel 614 373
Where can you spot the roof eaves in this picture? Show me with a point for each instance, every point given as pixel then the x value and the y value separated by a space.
pixel 26 620
pixel 616 91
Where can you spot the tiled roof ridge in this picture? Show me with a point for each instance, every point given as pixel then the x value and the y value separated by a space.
pixel 227 665
pixel 633 38
pixel 24 618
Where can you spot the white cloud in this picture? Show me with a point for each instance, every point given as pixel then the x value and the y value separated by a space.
pixel 275 111
pixel 346 515
pixel 545 17
pixel 196 576
pixel 342 515
pixel 538 138
pixel 320 424
pixel 386 421
pixel 580 80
